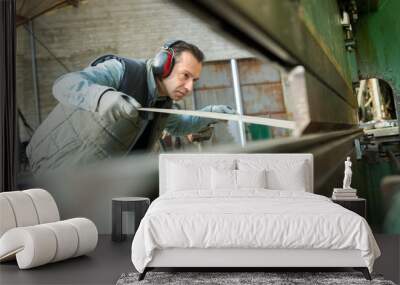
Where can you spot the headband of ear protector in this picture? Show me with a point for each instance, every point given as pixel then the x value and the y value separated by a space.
pixel 164 60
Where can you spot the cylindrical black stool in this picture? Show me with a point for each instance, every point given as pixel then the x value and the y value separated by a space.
pixel 138 205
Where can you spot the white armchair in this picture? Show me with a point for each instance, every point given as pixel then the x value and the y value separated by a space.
pixel 31 230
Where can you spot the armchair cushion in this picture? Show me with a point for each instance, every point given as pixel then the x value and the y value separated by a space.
pixel 31 232
pixel 40 244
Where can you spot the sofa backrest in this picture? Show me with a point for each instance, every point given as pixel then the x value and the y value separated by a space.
pixel 26 208
pixel 292 171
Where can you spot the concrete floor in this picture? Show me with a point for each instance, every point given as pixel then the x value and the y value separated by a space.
pixel 110 260
pixel 102 266
pixel 389 263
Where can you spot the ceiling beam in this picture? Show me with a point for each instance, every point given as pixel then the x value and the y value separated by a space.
pixel 60 4
pixel 20 19
pixel 74 3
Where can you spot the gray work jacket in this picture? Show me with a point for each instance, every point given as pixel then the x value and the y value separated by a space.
pixel 75 134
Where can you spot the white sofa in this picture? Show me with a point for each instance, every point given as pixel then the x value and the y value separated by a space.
pixel 293 172
pixel 31 231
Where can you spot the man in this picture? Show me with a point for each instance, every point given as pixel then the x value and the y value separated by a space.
pixel 98 118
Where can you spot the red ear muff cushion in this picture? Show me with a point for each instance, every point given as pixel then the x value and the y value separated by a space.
pixel 167 68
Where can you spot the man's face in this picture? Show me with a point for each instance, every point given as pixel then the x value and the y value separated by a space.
pixel 185 73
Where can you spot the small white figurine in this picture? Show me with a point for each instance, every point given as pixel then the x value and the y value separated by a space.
pixel 347 174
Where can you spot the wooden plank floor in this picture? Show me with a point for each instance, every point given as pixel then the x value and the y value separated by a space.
pixel 110 260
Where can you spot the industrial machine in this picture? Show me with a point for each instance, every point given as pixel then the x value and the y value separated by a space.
pixel 333 52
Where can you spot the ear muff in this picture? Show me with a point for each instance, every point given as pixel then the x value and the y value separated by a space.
pixel 164 60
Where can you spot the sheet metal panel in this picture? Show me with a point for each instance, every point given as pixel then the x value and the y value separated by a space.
pixel 263 99
pixel 260 85
pixel 253 71
pixel 317 108
pixel 262 96
pixel 215 85
pixel 261 89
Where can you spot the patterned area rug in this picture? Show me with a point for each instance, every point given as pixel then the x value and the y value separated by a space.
pixel 229 278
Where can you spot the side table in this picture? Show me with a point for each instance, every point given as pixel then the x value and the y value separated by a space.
pixel 138 205
pixel 357 205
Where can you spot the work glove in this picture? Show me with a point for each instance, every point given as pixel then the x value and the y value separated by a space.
pixel 114 105
pixel 179 125
pixel 216 109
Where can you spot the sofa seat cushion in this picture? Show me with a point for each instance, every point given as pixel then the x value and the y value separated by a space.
pixel 45 243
